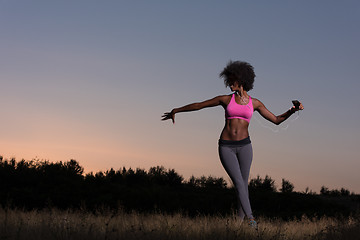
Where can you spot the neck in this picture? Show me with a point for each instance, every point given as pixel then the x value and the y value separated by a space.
pixel 241 92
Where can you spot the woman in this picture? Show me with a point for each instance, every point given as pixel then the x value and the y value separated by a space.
pixel 235 149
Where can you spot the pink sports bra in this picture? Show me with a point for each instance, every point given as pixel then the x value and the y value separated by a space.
pixel 235 110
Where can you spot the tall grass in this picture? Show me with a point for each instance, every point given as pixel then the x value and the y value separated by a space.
pixel 61 224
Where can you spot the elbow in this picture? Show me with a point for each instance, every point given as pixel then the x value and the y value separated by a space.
pixel 277 121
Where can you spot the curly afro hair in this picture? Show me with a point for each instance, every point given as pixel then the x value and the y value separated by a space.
pixel 240 72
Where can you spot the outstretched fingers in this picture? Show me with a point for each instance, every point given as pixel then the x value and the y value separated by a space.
pixel 167 116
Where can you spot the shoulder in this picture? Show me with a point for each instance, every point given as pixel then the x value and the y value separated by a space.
pixel 255 100
pixel 223 99
pixel 226 98
pixel 256 103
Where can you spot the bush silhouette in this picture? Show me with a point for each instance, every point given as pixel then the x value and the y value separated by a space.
pixel 266 184
pixel 39 184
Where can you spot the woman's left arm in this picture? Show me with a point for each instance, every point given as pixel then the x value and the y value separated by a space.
pixel 265 113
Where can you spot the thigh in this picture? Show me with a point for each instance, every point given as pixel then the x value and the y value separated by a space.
pixel 230 162
pixel 245 155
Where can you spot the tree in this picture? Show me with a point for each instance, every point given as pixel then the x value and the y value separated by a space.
pixel 324 191
pixel 207 182
pixel 344 192
pixel 286 186
pixel 266 184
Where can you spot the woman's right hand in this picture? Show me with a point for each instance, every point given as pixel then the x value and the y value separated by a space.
pixel 169 115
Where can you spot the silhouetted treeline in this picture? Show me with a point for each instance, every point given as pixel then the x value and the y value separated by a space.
pixel 43 184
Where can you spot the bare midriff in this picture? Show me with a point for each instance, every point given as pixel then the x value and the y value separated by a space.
pixel 235 130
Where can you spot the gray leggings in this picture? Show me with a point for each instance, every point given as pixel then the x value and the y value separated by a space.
pixel 236 157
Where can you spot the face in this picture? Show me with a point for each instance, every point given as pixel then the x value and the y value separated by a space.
pixel 234 87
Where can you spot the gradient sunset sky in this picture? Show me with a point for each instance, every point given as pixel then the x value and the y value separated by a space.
pixel 89 80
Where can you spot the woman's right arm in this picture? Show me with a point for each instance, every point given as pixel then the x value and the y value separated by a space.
pixel 264 112
pixel 216 101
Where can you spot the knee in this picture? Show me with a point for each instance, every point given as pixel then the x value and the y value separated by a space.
pixel 239 184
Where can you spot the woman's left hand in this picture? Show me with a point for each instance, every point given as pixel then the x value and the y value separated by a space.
pixel 295 109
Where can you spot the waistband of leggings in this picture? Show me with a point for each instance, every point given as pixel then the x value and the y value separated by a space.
pixel 241 142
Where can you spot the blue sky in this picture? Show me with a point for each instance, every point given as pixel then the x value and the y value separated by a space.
pixel 89 80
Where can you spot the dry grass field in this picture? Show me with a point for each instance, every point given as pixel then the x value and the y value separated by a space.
pixel 77 225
